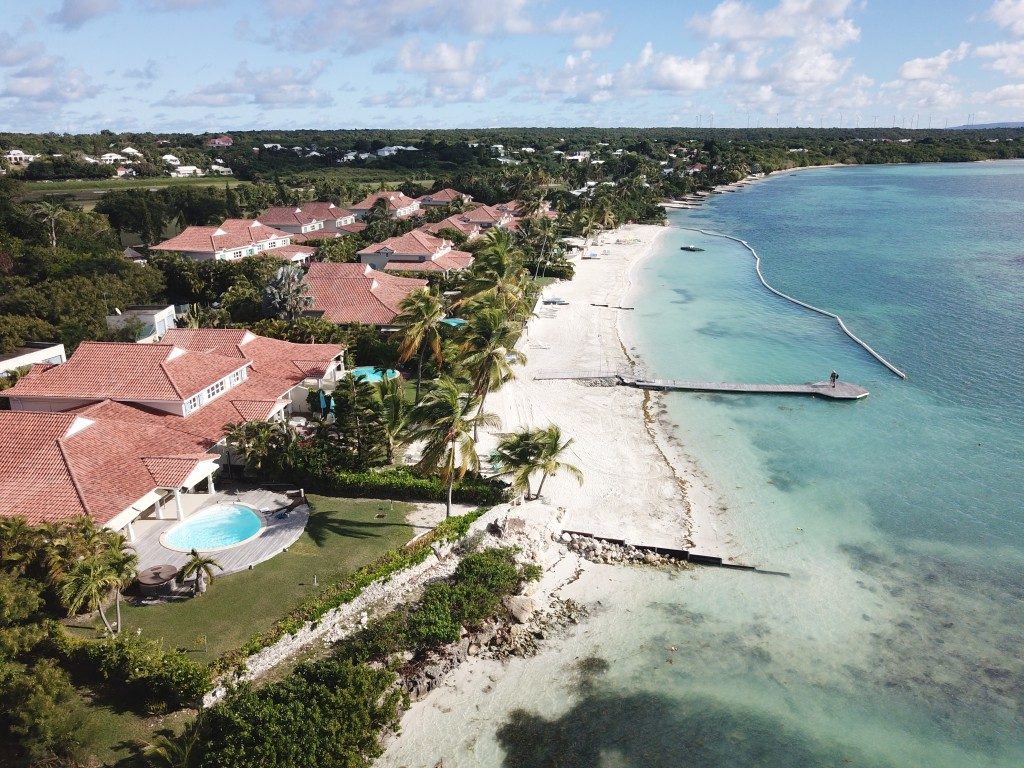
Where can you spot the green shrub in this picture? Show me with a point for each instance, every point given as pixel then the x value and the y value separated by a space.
pixel 402 485
pixel 379 639
pixel 139 672
pixel 434 621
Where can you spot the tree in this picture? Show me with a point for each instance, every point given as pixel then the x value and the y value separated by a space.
pixel 287 294
pixel 548 459
pixel 88 584
pixel 50 214
pixel 394 412
pixel 258 443
pixel 489 353
pixel 123 563
pixel 201 568
pixel 445 420
pixel 419 328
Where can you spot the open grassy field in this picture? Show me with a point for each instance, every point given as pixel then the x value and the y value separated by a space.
pixel 342 535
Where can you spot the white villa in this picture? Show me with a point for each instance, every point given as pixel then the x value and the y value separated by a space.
pixel 156 320
pixel 234 239
pixel 123 431
pixel 17 157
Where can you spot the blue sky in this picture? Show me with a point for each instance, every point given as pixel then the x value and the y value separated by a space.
pixel 213 65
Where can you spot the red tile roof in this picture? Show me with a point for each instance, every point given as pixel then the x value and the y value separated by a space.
pixel 288 215
pixel 54 466
pixel 357 293
pixel 292 252
pixel 122 371
pixel 395 201
pixel 444 263
pixel 231 235
pixel 354 228
pixel 419 251
pixel 444 196
pixel 415 243
pixel 283 359
pixel 326 211
pixel 457 222
pixel 486 216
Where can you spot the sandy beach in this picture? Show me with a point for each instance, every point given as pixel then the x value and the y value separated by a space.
pixel 638 483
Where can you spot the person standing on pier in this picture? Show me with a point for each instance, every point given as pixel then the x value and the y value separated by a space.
pixel 834 378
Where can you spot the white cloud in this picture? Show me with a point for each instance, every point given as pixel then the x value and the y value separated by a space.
pixel 935 66
pixel 11 53
pixel 1011 96
pixel 149 71
pixel 46 83
pixel 736 20
pixel 443 57
pixel 1008 14
pixel 271 87
pixel 589 41
pixel 73 14
pixel 1007 58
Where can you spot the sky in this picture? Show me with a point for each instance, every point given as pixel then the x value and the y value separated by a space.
pixel 220 65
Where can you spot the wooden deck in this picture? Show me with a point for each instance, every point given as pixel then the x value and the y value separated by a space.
pixel 272 539
pixel 843 390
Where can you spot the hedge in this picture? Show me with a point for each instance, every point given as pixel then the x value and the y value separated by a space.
pixel 402 485
pixel 139 672
pixel 335 595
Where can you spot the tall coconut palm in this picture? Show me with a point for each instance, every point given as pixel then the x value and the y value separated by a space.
pixel 419 330
pixel 551 448
pixel 445 421
pixel 200 567
pixel 489 353
pixel 516 458
pixel 394 412
pixel 88 584
pixel 259 443
pixel 50 214
pixel 123 563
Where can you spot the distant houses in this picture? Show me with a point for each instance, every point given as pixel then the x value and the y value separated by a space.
pixel 444 197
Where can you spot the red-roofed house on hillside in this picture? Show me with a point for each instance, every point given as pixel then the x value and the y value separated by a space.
pixel 443 197
pixel 415 251
pixel 312 221
pixel 234 239
pixel 220 141
pixel 297 220
pixel 400 206
pixel 357 293
pixel 487 216
pixel 457 222
pixel 119 429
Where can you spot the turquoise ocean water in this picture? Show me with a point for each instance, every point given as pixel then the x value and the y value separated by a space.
pixel 897 638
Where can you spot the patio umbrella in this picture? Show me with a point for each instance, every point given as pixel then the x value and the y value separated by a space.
pixel 323 403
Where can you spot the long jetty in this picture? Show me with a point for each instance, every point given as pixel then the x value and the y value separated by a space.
pixel 760 276
pixel 842 390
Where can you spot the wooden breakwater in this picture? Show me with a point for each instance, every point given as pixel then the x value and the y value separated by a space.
pixel 760 276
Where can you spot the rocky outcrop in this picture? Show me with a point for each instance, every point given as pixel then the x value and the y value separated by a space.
pixel 600 551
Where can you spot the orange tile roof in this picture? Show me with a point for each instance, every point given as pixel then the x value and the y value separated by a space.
pixel 291 252
pixel 289 215
pixel 232 234
pixel 457 222
pixel 283 359
pixel 122 371
pixel 444 196
pixel 357 293
pixel 57 465
pixel 326 211
pixel 444 263
pixel 415 243
pixel 395 201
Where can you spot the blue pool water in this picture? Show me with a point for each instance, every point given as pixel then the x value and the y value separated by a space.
pixel 218 527
pixel 370 374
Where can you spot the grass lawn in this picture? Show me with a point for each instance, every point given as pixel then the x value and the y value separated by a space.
pixel 342 535
pixel 112 735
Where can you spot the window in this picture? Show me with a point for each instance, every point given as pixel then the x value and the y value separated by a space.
pixel 192 403
pixel 215 389
pixel 236 377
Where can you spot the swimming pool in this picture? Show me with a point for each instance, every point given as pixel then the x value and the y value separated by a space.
pixel 217 527
pixel 371 374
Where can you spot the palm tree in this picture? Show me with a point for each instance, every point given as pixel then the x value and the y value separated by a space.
pixel 287 294
pixel 445 420
pixel 87 584
pixel 419 328
pixel 260 443
pixel 19 545
pixel 489 353
pixel 394 412
pixel 201 567
pixel 123 563
pixel 169 752
pixel 516 456
pixel 548 461
pixel 50 214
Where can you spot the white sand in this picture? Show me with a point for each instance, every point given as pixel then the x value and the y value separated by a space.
pixel 630 490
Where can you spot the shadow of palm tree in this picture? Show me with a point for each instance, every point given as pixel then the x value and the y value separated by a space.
pixel 323 524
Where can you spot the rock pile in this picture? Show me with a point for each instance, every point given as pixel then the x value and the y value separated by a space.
pixel 598 551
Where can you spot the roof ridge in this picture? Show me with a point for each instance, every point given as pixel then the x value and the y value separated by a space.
pixel 71 474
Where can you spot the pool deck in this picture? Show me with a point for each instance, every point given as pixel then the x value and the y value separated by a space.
pixel 272 539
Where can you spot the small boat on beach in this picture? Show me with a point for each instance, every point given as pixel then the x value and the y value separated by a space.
pixel 692 248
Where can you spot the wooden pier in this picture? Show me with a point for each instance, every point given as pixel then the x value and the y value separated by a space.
pixel 843 390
